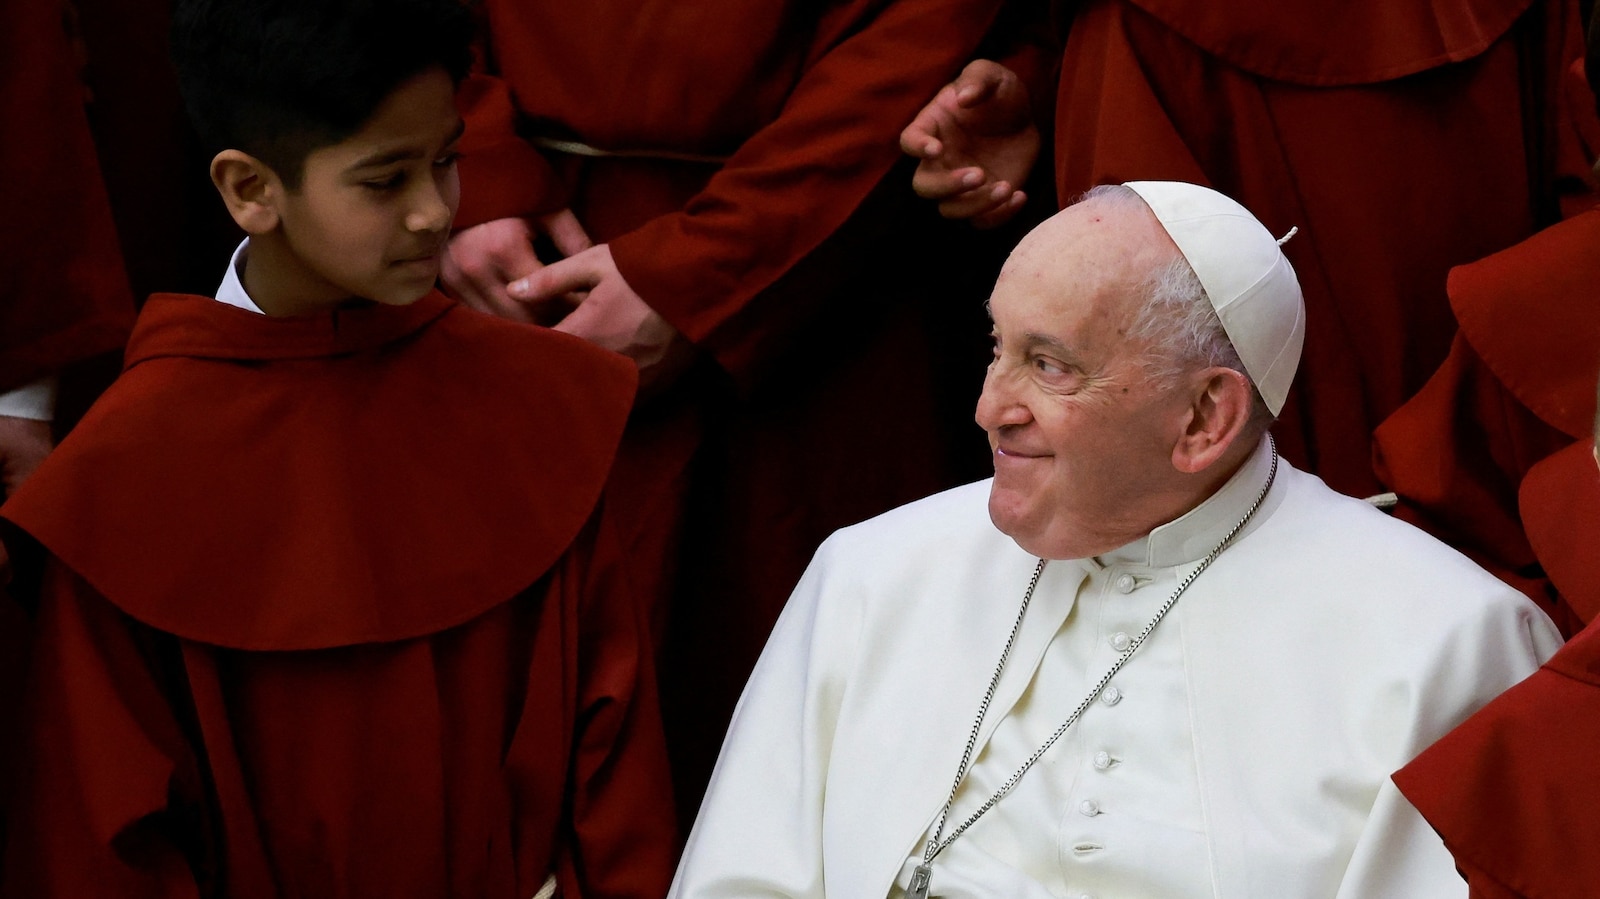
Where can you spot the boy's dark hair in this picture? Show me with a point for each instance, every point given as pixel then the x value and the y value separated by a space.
pixel 280 78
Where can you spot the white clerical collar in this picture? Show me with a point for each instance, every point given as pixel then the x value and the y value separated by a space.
pixel 232 291
pixel 1190 536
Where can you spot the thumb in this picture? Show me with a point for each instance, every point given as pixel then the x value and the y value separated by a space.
pixel 566 276
pixel 584 321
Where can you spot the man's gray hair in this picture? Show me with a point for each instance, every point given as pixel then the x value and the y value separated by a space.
pixel 1176 319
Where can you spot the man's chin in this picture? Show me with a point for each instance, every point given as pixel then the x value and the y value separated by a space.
pixel 1007 513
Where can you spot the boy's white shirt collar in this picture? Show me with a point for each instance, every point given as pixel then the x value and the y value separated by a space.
pixel 38 399
pixel 232 291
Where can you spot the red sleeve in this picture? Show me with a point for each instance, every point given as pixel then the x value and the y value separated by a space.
pixel 64 295
pixel 797 180
pixel 624 840
pixel 107 785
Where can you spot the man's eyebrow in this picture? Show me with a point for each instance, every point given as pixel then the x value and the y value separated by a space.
pixel 1036 339
pixel 406 154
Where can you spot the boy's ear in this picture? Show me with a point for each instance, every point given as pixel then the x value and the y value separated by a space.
pixel 249 188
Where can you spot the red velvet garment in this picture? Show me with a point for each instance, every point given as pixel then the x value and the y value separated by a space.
pixel 1517 388
pixel 1401 138
pixel 757 207
pixel 64 295
pixel 332 613
pixel 1514 789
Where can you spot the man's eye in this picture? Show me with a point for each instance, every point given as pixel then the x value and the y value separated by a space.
pixel 1048 366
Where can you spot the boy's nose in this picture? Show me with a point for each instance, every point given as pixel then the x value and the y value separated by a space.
pixel 429 217
pixel 432 211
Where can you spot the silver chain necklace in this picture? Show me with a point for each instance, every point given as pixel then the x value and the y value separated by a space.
pixel 922 876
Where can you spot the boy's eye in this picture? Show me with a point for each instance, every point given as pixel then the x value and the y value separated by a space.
pixel 447 160
pixel 389 183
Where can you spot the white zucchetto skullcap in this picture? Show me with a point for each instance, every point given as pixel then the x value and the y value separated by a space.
pixel 1245 274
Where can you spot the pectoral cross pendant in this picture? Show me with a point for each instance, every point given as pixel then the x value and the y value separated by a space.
pixel 919 882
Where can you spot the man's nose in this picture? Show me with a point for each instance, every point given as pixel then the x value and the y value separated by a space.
pixel 1000 404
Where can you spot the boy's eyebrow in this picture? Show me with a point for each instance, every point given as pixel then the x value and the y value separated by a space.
pixel 406 153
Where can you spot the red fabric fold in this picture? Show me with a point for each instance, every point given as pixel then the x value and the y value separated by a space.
pixel 231 496
pixel 64 294
pixel 1513 790
pixel 1517 310
pixel 1560 503
pixel 1333 44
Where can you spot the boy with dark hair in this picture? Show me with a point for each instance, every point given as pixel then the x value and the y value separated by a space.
pixel 329 607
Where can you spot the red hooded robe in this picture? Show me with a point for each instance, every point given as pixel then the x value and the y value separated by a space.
pixel 331 612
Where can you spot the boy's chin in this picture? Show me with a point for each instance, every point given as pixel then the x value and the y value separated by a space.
pixel 402 296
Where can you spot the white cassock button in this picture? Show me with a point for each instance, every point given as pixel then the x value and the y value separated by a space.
pixel 1121 641
pixel 1126 583
pixel 1102 760
pixel 1111 696
pixel 1088 808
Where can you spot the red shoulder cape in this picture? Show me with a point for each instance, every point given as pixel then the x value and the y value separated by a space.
pixel 367 475
pixel 1529 313
pixel 1513 790
pixel 1560 504
pixel 1332 44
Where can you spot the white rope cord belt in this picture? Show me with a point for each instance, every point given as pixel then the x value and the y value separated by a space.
pixel 578 148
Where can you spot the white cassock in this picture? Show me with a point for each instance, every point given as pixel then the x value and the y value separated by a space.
pixel 1244 751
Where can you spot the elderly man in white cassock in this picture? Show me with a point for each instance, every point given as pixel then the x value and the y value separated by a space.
pixel 1149 658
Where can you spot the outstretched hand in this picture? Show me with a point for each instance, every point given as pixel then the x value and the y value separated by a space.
pixel 480 261
pixel 611 315
pixel 977 143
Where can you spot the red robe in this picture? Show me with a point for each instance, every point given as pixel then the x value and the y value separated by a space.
pixel 1473 455
pixel 1402 138
pixel 64 294
pixel 1513 790
pixel 757 206
pixel 331 612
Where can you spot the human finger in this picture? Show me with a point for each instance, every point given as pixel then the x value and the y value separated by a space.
pixel 978 81
pixel 566 276
pixel 978 201
pixel 566 232
pixel 935 182
pixel 998 216
pixel 921 137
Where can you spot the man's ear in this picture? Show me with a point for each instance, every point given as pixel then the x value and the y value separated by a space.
pixel 1219 410
pixel 249 188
